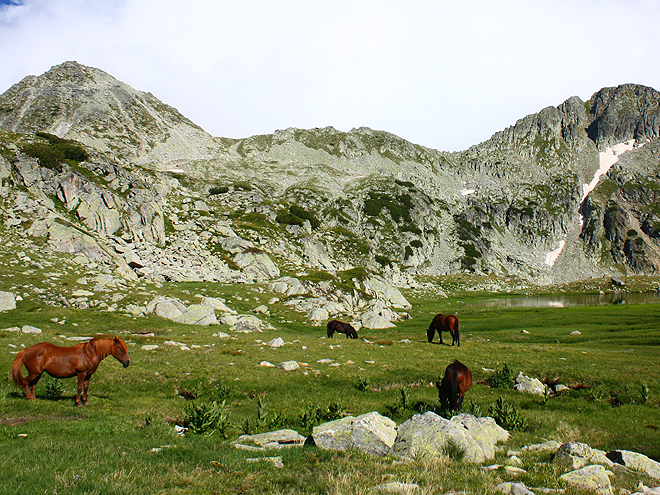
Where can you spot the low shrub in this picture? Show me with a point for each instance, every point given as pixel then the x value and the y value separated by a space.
pixel 207 418
pixel 507 416
pixel 502 379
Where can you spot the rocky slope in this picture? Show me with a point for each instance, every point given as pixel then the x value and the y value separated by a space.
pixel 350 214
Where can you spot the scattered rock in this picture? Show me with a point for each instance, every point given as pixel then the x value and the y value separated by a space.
pixel 396 487
pixel 149 347
pixel 529 385
pixel 549 446
pixel 275 439
pixel 30 329
pixel 278 462
pixel 577 455
pixel 7 301
pixel 289 365
pixel 276 343
pixel 513 489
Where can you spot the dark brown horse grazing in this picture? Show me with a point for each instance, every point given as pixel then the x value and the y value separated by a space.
pixel 81 360
pixel 452 388
pixel 338 326
pixel 445 323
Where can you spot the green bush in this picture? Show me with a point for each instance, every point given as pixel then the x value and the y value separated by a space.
pixel 218 190
pixel 383 260
pixel 507 415
pixel 288 218
pixel 206 418
pixel 305 215
pixel 51 154
pixel 54 389
pixel 47 155
pixel 502 379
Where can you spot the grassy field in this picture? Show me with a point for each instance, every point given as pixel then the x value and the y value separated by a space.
pixel 125 442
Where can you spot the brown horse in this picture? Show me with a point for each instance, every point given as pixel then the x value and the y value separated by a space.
pixel 340 327
pixel 81 360
pixel 445 323
pixel 452 388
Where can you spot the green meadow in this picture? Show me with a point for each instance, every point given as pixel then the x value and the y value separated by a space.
pixel 125 440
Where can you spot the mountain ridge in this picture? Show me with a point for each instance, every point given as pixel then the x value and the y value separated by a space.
pixel 501 207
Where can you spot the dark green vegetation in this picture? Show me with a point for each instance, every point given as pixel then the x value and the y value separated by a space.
pixel 124 441
pixel 55 150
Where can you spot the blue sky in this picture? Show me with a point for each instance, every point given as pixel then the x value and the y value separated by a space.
pixel 444 74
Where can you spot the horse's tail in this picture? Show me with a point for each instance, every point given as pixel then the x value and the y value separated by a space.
pixel 453 397
pixel 16 368
pixel 430 333
pixel 457 335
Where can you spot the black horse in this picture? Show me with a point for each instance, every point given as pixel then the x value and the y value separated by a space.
pixel 447 323
pixel 452 388
pixel 338 326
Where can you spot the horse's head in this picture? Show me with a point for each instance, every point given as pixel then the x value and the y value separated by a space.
pixel 120 352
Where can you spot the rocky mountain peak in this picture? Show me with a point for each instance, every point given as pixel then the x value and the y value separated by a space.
pixel 88 105
pixel 629 111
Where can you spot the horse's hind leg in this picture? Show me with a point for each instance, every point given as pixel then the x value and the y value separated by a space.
pixel 30 383
pixel 81 381
pixel 85 388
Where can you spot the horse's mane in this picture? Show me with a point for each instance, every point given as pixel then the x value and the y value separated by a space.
pixel 102 345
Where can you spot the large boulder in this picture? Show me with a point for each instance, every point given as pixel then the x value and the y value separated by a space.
pixel 257 265
pixel 7 301
pixel 375 320
pixel 217 305
pixel 316 254
pixel 166 307
pixel 592 478
pixel 289 286
pixel 529 385
pixel 636 462
pixel 198 314
pixel 431 434
pixel 379 287
pixel 371 433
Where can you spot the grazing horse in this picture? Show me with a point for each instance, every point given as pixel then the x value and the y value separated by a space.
pixel 445 323
pixel 81 360
pixel 452 388
pixel 338 326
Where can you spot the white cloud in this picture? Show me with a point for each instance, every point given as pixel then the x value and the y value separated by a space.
pixel 440 73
